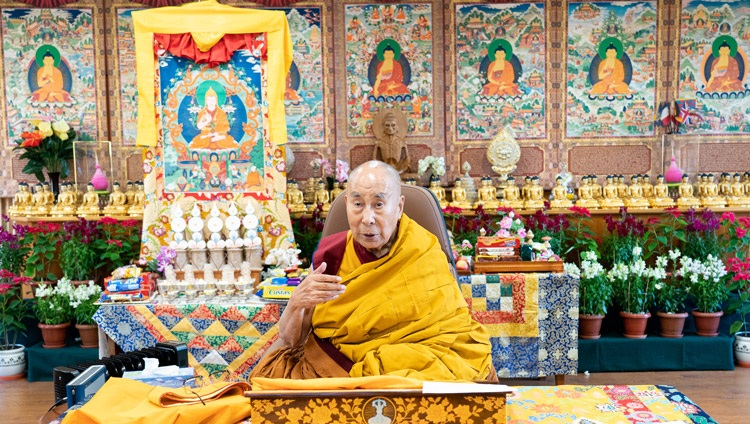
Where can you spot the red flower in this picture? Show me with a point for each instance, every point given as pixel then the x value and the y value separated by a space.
pixel 673 211
pixel 579 210
pixel 129 223
pixel 728 216
pixel 4 288
pixel 4 273
pixel 740 232
pixel 108 220
pixel 745 221
pixel 117 243
pixel 452 210
pixel 31 139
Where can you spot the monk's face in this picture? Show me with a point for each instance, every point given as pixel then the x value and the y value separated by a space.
pixel 211 102
pixel 373 208
pixel 389 126
pixel 724 51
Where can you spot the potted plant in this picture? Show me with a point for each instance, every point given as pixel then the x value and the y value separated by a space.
pixel 429 166
pixel 48 148
pixel 595 296
pixel 740 285
pixel 671 295
pixel 634 291
pixel 82 302
pixel 119 243
pixel 625 233
pixel 708 289
pixel 13 249
pixel 42 239
pixel 701 239
pixel 52 309
pixel 13 311
pixel 78 257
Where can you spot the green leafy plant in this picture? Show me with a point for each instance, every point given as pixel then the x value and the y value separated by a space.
pixel 736 235
pixel 13 249
pixel 634 283
pixel 53 302
pixel 13 309
pixel 701 238
pixel 43 239
pixel 119 243
pixel 672 293
pixel 78 257
pixel 665 233
pixel 579 235
pixel 82 302
pixel 706 280
pixel 595 291
pixel 49 146
pixel 625 233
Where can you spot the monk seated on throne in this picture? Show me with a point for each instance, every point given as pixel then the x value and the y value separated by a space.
pixel 380 300
pixel 213 125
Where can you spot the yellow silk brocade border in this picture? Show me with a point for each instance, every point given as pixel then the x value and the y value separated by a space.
pixel 206 17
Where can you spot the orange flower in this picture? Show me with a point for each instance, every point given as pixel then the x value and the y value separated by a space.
pixel 31 139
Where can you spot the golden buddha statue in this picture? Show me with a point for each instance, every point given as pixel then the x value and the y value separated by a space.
pixel 116 205
pixel 294 197
pixel 337 190
pixel 66 202
pixel 700 185
pixel 410 181
pixel 560 195
pixel 22 201
pixel 711 197
pixel 746 182
pixel 737 195
pixel 586 195
pixel 90 205
pixel 129 193
pixel 596 188
pixel 525 187
pixel 138 202
pixel 438 191
pixel 611 199
pixel 661 198
pixel 487 195
pixel 724 184
pixel 512 195
pixel 458 195
pixel 635 198
pixel 687 199
pixel 321 197
pixel 622 188
pixel 38 202
pixel 48 194
pixel 536 195
pixel 648 188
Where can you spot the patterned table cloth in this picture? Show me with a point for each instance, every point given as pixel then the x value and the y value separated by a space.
pixel 218 337
pixel 532 319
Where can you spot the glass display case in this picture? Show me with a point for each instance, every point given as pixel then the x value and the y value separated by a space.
pixel 93 164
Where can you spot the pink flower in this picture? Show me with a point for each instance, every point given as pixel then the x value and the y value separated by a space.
pixel 740 232
pixel 342 170
pixel 117 243
pixel 728 216
pixel 522 233
pixel 506 223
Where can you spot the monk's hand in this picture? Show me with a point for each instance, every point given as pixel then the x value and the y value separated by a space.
pixel 317 288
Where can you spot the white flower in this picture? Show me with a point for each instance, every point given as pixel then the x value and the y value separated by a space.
pixel 637 251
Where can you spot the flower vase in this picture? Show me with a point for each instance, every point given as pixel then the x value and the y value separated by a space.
pixel 254 255
pixel 12 362
pixel 198 258
pixel 234 257
pixel 707 323
pixel 54 335
pixel 89 335
pixel 589 326
pixel 672 324
pixel 180 259
pixel 217 257
pixel 54 182
pixel 634 325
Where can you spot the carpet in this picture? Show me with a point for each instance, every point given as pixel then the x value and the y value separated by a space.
pixel 603 404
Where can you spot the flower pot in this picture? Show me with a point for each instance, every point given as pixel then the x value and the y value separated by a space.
pixel 54 335
pixel 217 257
pixel 672 324
pixel 12 362
pixel 589 326
pixel 742 349
pixel 89 335
pixel 707 323
pixel 234 257
pixel 634 324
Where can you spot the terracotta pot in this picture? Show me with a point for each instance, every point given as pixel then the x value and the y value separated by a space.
pixel 635 325
pixel 672 324
pixel 707 323
pixel 89 335
pixel 589 326
pixel 54 335
pixel 12 362
pixel 742 349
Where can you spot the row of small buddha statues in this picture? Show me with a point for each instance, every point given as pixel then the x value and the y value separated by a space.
pixel 71 203
pixel 315 193
pixel 506 194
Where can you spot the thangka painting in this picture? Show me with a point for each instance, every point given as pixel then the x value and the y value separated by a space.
pixel 500 70
pixel 713 58
pixel 51 70
pixel 213 128
pixel 389 63
pixel 303 96
pixel 124 123
pixel 611 69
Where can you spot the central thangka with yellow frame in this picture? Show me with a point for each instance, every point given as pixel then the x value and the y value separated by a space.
pixel 211 112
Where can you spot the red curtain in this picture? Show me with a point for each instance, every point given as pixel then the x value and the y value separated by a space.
pixel 183 45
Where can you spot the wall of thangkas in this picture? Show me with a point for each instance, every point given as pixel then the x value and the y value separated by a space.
pixel 570 107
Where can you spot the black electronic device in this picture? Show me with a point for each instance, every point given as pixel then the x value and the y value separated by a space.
pixel 180 350
pixel 83 387
pixel 62 376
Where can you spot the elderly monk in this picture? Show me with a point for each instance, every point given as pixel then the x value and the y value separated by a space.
pixel 381 300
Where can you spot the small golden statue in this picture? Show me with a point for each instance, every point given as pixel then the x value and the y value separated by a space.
pixel 560 195
pixel 116 205
pixel 737 195
pixel 661 197
pixel 321 197
pixel 635 198
pixel 586 195
pixel 338 188
pixel 129 193
pixel 686 199
pixel 648 188
pixel 746 182
pixel 138 202
pixel 438 191
pixel 596 188
pixel 610 193
pixel 410 181
pixel 39 205
pixel 700 185
pixel 512 195
pixel 458 195
pixel 49 196
pixel 536 195
pixel 711 197
pixel 90 206
pixel 622 187
pixel 295 197
pixel 66 202
pixel 22 201
pixel 487 195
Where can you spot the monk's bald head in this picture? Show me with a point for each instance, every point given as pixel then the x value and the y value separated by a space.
pixel 377 169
